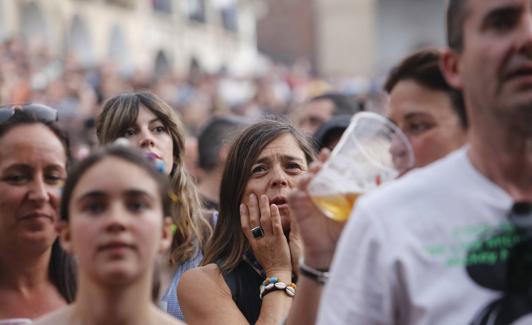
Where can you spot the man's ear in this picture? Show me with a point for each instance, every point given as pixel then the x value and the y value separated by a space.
pixel 450 67
pixel 64 236
pixel 166 235
pixel 223 153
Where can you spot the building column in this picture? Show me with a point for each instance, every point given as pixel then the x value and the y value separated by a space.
pixel 346 37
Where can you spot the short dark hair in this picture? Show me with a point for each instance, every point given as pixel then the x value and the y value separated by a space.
pixel 330 130
pixel 218 131
pixel 423 67
pixel 457 12
pixel 128 154
pixel 343 105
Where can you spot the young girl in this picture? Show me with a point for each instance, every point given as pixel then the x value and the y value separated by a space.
pixel 151 125
pixel 115 222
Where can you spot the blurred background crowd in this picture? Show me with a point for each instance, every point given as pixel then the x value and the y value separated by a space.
pixel 205 58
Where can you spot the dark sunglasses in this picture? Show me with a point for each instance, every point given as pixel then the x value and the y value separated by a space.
pixel 42 112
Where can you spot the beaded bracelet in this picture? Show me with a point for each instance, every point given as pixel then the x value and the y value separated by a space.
pixel 273 284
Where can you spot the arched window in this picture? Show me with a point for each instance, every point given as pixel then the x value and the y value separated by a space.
pixel 162 64
pixel 195 10
pixel 79 41
pixel 117 48
pixel 32 22
pixel 164 6
pixel 3 27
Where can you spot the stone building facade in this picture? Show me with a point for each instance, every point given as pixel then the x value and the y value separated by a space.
pixel 158 34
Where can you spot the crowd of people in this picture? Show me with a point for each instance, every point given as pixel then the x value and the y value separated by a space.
pixel 29 72
pixel 143 224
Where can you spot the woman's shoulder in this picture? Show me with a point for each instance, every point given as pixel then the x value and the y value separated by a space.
pixel 58 317
pixel 209 272
pixel 200 279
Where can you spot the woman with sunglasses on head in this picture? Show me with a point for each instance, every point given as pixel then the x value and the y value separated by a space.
pixel 247 277
pixel 36 276
pixel 151 125
pixel 115 221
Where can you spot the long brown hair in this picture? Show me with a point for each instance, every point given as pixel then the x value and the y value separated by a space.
pixel 228 243
pixel 118 114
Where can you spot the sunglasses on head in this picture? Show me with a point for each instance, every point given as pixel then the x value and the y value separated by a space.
pixel 42 112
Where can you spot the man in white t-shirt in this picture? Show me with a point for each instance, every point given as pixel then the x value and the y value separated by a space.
pixel 403 258
pixel 432 248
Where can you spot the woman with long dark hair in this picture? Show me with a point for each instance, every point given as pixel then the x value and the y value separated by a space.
pixel 250 263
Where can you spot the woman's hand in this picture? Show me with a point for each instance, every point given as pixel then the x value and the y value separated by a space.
pixel 319 234
pixel 271 250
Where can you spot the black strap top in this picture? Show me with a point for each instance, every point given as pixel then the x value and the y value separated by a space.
pixel 244 284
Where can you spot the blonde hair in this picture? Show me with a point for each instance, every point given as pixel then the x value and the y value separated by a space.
pixel 118 114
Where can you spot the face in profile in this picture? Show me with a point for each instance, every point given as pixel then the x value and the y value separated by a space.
pixel 274 171
pixel 427 118
pixel 151 135
pixel 116 227
pixel 32 172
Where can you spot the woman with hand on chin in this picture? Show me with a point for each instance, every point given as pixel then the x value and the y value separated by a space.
pixel 115 221
pixel 249 265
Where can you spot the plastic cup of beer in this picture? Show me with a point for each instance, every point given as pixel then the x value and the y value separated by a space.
pixel 372 151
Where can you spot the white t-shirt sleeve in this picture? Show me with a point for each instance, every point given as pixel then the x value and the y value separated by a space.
pixel 360 287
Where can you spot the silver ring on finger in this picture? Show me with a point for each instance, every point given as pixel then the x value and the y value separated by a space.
pixel 257 232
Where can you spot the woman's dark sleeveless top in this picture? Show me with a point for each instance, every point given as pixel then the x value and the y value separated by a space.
pixel 244 283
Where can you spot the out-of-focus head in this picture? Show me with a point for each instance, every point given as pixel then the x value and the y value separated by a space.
pixel 330 132
pixel 217 134
pixel 34 157
pixel 489 59
pixel 320 109
pixel 147 122
pixel 264 159
pixel 426 108
pixel 113 210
